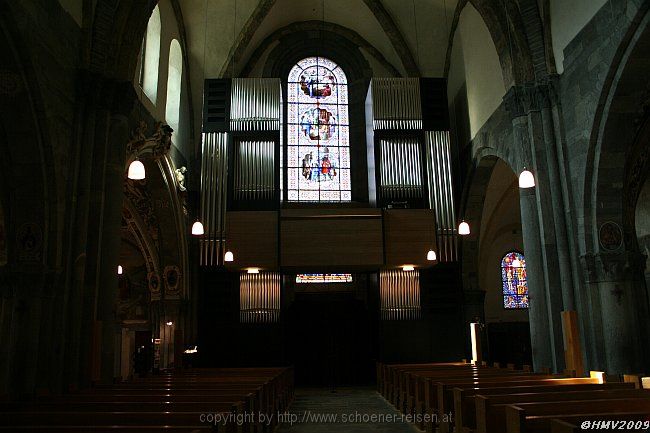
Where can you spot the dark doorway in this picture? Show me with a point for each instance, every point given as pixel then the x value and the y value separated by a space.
pixel 330 340
pixel 509 342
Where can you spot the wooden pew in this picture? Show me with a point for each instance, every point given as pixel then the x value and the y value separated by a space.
pixel 412 388
pixel 441 394
pixel 573 424
pixel 464 397
pixel 536 417
pixel 491 410
pixel 169 402
pixel 413 395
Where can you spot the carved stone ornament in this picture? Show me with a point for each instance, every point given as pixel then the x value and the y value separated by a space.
pixel 172 276
pixel 610 236
pixel 154 283
pixel 29 240
pixel 521 100
pixel 612 267
pixel 158 144
pixel 180 178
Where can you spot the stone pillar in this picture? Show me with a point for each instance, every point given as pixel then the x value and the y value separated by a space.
pixel 107 285
pixel 540 335
pixel 616 279
pixel 96 217
pixel 566 274
pixel 531 130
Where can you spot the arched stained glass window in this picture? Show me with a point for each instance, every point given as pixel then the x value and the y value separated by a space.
pixel 318 160
pixel 513 276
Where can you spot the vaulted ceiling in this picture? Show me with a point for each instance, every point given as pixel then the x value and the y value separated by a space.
pixel 412 36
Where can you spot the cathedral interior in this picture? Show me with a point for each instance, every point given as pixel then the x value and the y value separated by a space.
pixel 212 209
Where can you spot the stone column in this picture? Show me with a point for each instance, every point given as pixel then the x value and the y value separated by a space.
pixel 617 280
pixel 538 227
pixel 540 335
pixel 95 226
pixel 122 99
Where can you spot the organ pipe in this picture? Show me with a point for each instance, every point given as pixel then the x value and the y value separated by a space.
pixel 259 297
pixel 441 196
pixel 396 103
pixel 214 167
pixel 255 104
pixel 400 171
pixel 254 170
pixel 399 292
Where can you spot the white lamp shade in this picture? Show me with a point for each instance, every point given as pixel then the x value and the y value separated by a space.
pixel 431 256
pixel 228 257
pixel 463 229
pixel 197 229
pixel 120 271
pixel 526 179
pixel 136 170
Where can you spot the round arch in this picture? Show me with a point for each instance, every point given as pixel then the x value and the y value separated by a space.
pixel 28 174
pixel 618 160
pixel 509 37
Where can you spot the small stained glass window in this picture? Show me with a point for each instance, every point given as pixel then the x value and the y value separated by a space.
pixel 318 133
pixel 323 278
pixel 513 276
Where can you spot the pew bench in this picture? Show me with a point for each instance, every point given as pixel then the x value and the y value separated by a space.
pixel 491 410
pixel 465 398
pixel 536 417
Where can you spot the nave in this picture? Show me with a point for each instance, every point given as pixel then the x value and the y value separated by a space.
pixel 436 398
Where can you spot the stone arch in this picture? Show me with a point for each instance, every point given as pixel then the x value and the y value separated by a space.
pixel 28 170
pixel 507 30
pixel 115 37
pixel 471 209
pixel 622 112
pixel 342 36
pixel 614 174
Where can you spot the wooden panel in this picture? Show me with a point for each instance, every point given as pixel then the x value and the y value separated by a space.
pixel 572 350
pixel 409 235
pixel 326 238
pixel 252 237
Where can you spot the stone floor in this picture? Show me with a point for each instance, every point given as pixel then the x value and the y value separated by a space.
pixel 354 410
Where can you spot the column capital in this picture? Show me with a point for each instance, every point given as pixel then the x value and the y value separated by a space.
pixel 522 99
pixel 610 267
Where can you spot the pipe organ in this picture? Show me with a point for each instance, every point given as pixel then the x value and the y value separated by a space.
pixel 409 152
pixel 399 293
pixel 410 188
pixel 240 154
pixel 214 165
pixel 401 176
pixel 259 297
pixel 254 170
pixel 441 196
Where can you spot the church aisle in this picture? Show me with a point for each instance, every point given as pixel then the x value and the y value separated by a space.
pixel 354 410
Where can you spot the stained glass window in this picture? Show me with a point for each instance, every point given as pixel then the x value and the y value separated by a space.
pixel 324 278
pixel 318 135
pixel 515 286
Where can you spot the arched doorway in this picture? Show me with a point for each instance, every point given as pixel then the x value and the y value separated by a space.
pixel 493 209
